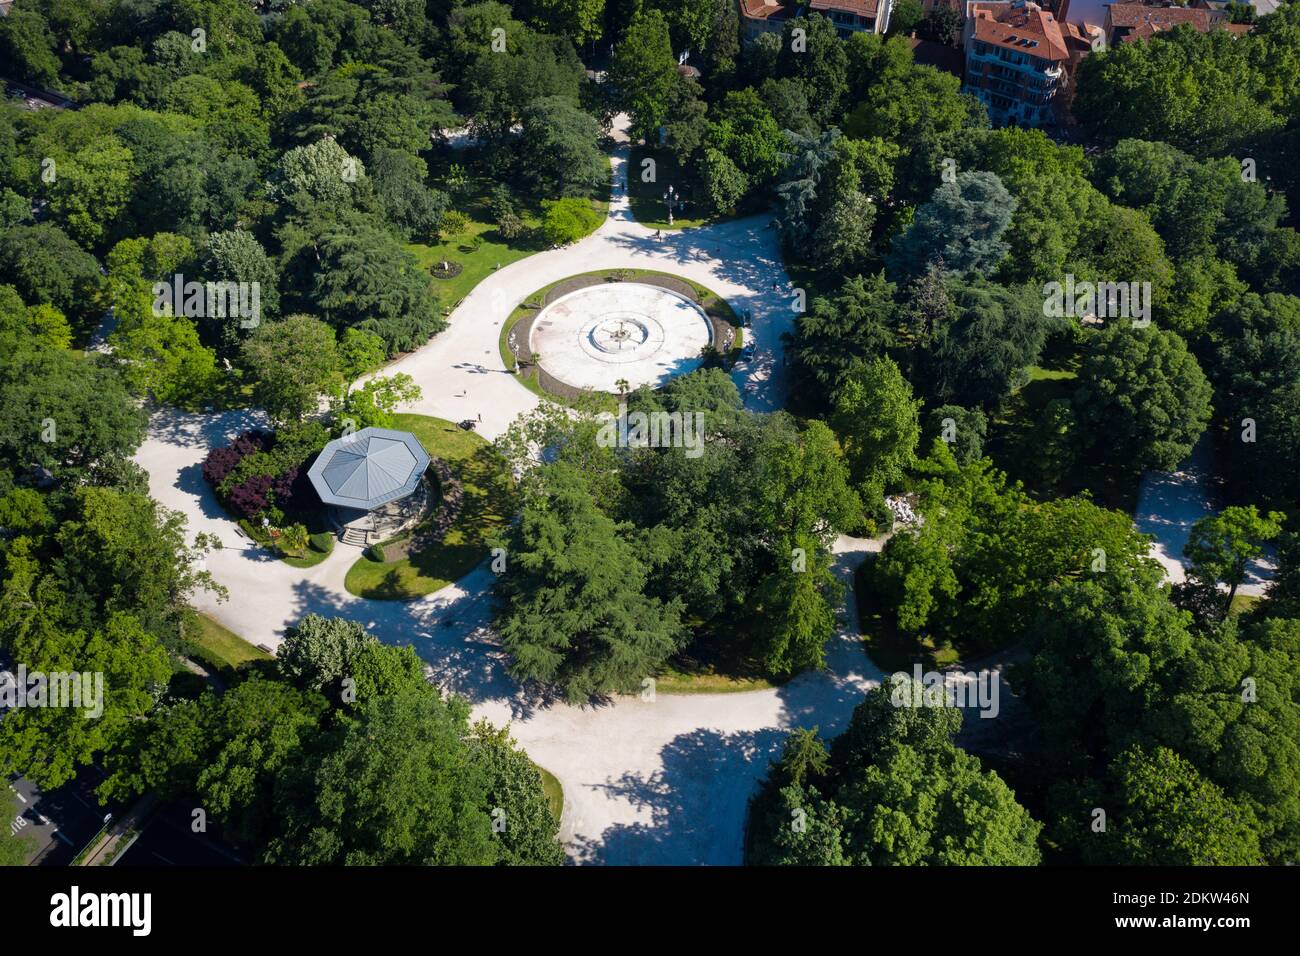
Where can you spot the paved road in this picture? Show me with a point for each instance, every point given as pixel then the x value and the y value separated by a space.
pixel 661 781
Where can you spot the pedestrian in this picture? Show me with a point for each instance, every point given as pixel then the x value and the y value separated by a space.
pixel 480 418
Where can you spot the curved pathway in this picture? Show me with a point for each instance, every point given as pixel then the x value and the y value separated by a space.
pixel 1170 502
pixel 660 780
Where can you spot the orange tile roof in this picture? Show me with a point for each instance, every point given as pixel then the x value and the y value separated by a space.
pixel 1024 27
pixel 759 9
pixel 863 8
pixel 1138 21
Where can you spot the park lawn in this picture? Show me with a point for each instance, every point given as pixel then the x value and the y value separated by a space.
pixel 888 649
pixel 313 555
pixel 705 680
pixel 554 792
pixel 714 662
pixel 493 250
pixel 647 199
pixel 219 646
pixel 489 504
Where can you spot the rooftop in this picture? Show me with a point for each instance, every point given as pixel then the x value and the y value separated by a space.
pixel 1021 26
pixel 1135 21
pixel 862 8
pixel 369 468
pixel 760 9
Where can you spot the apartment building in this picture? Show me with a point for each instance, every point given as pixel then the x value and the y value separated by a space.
pixel 849 16
pixel 1016 57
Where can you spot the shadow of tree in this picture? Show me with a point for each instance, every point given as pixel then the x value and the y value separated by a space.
pixel 695 804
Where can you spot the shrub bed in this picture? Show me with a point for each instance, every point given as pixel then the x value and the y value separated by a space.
pixel 263 475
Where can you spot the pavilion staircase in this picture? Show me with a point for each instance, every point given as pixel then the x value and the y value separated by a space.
pixel 356 536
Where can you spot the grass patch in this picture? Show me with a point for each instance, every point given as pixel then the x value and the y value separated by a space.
pixel 489 503
pixel 480 248
pixel 1241 603
pixel 218 646
pixel 15 848
pixel 889 649
pixel 705 680
pixel 713 663
pixel 647 199
pixel 320 548
pixel 554 792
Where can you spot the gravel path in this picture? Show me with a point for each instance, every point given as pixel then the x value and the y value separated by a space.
pixel 1170 502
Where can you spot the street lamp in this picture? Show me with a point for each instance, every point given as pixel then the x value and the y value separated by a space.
pixel 671 198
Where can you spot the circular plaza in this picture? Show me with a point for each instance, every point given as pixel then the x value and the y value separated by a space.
pixel 619 335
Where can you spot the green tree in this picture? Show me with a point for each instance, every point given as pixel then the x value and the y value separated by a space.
pixel 843 239
pixel 48 268
pixel 163 359
pixel 643 71
pixel 1221 547
pixel 819 63
pixel 237 256
pixel 291 364
pixel 579 20
pixel 528 833
pixel 935 808
pixel 368 107
pixel 904 17
pixel 572 612
pixel 322 171
pixel 837 332
pixel 27 44
pixel 559 149
pixel 1196 91
pixel 879 422
pixel 317 653
pixel 963 429
pixel 724 183
pixel 959 230
pixel 1169 815
pixel 397 786
pixel 414 209
pixel 996 333
pixel 71 415
pixel 1098 655
pixel 1142 400
pixel 797 612
pixel 25 327
pixel 360 353
pixel 366 279
pixel 567 220
pixel 895 792
pixel 49 744
pixel 374 403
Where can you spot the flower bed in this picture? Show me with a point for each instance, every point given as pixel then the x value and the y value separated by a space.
pixel 263 475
